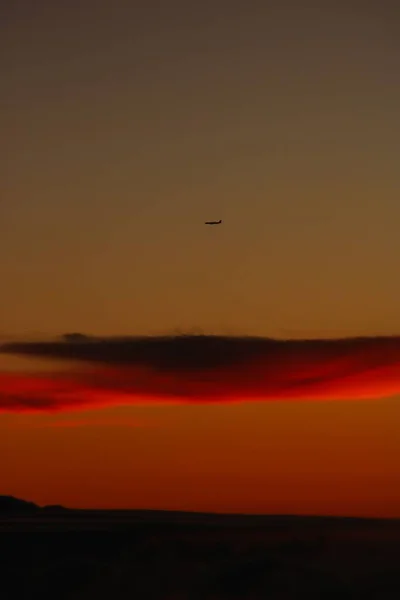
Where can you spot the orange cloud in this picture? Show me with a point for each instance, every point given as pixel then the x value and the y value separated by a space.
pixel 201 369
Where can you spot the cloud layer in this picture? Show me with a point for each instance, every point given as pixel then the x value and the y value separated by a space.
pixel 117 371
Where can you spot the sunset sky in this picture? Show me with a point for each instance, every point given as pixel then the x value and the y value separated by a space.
pixel 124 126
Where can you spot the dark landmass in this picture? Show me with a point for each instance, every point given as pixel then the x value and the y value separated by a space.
pixel 166 555
pixel 14 506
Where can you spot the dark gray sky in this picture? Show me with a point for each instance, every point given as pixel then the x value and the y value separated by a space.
pixel 125 125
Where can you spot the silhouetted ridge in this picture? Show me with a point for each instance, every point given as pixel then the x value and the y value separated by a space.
pixel 10 505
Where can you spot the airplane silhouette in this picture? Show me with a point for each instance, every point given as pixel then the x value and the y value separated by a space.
pixel 213 222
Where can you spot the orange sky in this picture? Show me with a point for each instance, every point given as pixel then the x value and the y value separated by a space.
pixel 124 128
pixel 93 436
pixel 336 458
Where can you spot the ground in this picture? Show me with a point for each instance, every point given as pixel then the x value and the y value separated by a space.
pixel 175 556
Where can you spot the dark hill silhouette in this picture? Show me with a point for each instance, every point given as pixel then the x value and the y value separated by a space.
pixel 54 509
pixel 11 506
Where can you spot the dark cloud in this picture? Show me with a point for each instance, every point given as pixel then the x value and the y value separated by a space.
pixel 201 368
pixel 169 352
pixel 199 351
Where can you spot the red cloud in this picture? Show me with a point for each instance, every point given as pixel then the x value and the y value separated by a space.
pixel 203 369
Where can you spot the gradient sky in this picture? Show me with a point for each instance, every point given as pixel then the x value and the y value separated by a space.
pixel 126 125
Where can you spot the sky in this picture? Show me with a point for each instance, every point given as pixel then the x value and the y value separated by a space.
pixel 124 127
